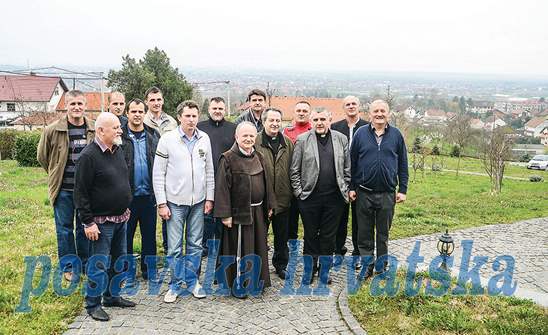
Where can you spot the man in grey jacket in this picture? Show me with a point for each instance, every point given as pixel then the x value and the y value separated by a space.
pixel 320 177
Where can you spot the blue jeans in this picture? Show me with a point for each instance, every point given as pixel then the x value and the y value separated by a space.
pixel 213 229
pixel 111 243
pixel 64 214
pixel 193 216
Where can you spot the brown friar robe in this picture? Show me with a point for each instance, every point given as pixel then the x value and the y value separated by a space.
pixel 241 182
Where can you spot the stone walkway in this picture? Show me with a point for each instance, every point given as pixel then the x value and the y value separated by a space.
pixel 272 313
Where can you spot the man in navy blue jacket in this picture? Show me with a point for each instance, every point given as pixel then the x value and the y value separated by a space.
pixel 378 165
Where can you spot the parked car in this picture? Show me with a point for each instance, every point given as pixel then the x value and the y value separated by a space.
pixel 539 162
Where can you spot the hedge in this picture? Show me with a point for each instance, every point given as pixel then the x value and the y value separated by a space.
pixel 7 143
pixel 26 144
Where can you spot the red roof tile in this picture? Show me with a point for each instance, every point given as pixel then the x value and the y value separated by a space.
pixel 93 100
pixel 38 118
pixel 28 88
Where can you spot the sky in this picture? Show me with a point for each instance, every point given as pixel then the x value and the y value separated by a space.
pixel 479 36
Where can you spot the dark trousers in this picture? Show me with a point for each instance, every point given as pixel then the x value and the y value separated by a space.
pixel 281 251
pixel 321 216
pixel 213 230
pixel 164 236
pixel 111 242
pixel 375 212
pixel 293 220
pixel 342 231
pixel 143 211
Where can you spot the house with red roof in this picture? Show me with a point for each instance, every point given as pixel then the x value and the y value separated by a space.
pixel 23 95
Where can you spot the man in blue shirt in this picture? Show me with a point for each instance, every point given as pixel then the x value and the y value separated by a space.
pixel 378 165
pixel 139 143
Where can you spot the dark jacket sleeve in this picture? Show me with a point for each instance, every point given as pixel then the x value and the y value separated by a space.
pixel 354 150
pixel 223 185
pixel 83 182
pixel 295 169
pixel 403 169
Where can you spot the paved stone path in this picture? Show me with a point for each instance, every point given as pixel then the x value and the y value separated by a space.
pixel 526 241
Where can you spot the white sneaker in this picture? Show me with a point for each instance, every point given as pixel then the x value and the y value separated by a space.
pixel 198 292
pixel 170 296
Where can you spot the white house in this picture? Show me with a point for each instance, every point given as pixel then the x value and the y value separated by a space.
pixel 22 95
pixel 490 125
pixel 535 126
pixel 434 116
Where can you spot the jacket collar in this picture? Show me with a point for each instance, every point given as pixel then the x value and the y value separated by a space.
pixel 216 123
pixel 264 140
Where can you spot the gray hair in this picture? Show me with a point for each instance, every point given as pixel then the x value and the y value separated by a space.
pixel 264 116
pixel 242 124
pixel 379 102
pixel 321 110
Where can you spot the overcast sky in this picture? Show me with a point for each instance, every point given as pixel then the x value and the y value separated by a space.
pixel 467 36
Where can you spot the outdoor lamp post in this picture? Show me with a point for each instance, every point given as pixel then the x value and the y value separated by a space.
pixel 446 246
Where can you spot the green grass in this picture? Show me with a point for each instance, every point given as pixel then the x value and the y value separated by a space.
pixel 447 314
pixel 27 228
pixel 441 199
pixel 475 165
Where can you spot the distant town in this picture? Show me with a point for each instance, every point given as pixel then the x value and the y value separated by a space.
pixel 31 101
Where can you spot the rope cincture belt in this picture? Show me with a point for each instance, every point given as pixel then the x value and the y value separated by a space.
pixel 257 204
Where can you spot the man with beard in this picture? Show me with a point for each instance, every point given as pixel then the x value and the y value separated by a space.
pixel 379 165
pixel 221 135
pixel 243 200
pixel 102 195
pixel 257 104
pixel 348 127
pixel 320 173
pixel 277 150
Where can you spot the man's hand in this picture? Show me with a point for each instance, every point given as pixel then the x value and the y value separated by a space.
pixel 352 195
pixel 270 211
pixel 92 233
pixel 400 197
pixel 227 222
pixel 164 211
pixel 208 206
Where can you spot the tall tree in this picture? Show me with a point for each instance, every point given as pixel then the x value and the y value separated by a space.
pixel 496 148
pixel 459 132
pixel 154 69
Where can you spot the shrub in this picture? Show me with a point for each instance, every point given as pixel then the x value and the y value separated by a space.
pixel 525 158
pixel 535 179
pixel 455 151
pixel 436 150
pixel 417 145
pixel 7 142
pixel 26 144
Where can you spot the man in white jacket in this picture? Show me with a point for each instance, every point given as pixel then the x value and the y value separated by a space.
pixel 183 182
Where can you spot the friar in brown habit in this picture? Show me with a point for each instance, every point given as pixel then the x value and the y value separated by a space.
pixel 244 200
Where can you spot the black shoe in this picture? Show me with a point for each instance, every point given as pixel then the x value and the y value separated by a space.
pixel 368 273
pixel 123 303
pixel 358 266
pixel 99 314
pixel 329 280
pixel 281 273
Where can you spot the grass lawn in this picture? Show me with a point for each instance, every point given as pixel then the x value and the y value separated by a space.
pixel 27 228
pixel 475 165
pixel 425 314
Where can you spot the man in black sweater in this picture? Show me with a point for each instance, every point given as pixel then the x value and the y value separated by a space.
pixel 379 164
pixel 102 195
pixel 221 134
pixel 348 127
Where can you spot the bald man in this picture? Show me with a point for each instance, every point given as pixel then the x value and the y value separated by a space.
pixel 102 196
pixel 379 180
pixel 243 200
pixel 348 127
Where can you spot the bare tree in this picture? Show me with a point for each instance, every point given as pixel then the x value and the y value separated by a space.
pixel 270 92
pixel 496 149
pixel 459 132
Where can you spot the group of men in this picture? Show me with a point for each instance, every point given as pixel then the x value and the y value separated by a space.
pixel 216 180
